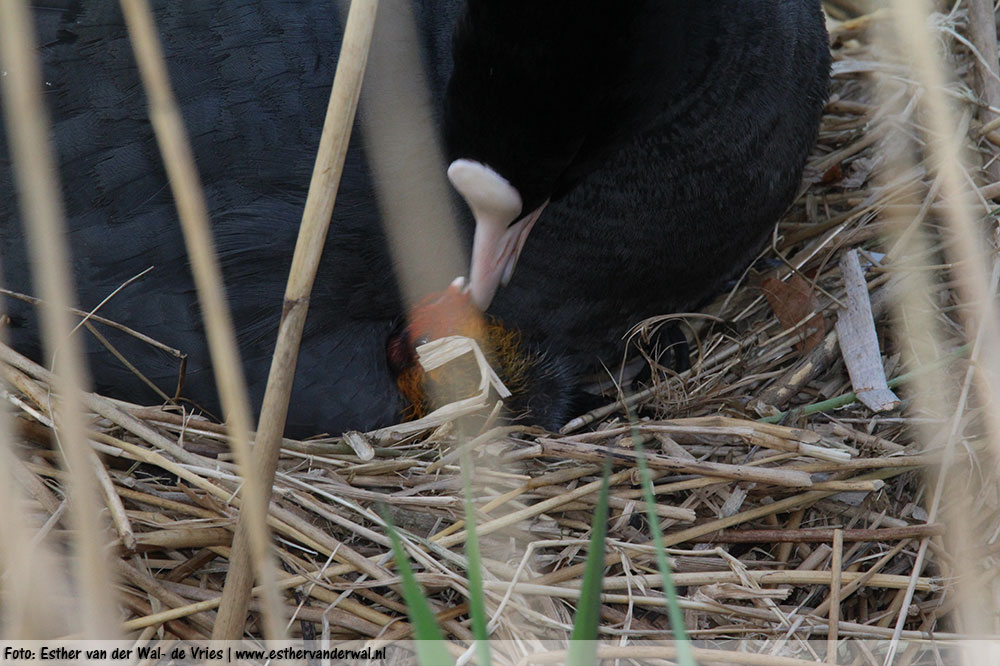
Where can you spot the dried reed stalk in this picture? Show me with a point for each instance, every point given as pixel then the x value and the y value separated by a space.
pixel 34 164
pixel 305 261
pixel 192 210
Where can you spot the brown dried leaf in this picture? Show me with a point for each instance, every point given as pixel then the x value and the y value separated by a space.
pixel 792 301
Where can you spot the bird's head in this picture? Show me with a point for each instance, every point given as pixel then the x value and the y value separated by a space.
pixel 528 111
pixel 442 314
pixel 538 383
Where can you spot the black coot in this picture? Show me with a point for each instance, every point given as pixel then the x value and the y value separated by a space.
pixel 253 80
pixel 651 144
pixel 667 137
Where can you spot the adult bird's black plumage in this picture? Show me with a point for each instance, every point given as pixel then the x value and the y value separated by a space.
pixel 253 80
pixel 667 136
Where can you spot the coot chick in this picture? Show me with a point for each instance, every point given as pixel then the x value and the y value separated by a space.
pixel 252 80
pixel 651 145
pixel 540 383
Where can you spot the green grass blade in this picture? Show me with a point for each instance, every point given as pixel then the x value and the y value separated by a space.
pixel 477 597
pixel 583 645
pixel 430 645
pixel 685 657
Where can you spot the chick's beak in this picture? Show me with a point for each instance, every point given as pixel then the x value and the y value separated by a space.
pixel 500 235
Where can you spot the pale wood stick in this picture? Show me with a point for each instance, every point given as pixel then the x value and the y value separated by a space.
pixel 595 453
pixel 114 503
pixel 536 509
pixel 761 577
pixel 553 478
pixel 791 535
pixel 836 566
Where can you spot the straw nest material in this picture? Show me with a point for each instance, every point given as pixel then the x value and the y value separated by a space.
pixel 760 452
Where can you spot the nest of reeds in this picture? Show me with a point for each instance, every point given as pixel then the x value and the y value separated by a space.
pixel 791 508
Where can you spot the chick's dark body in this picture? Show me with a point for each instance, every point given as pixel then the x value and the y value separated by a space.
pixel 253 80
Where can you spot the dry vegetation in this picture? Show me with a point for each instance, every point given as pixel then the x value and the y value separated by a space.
pixel 826 515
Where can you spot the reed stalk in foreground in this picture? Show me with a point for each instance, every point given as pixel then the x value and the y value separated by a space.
pixel 305 262
pixel 41 204
pixel 168 125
